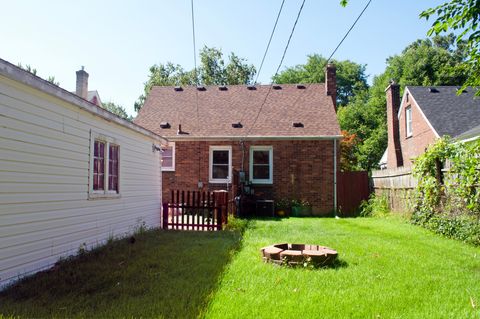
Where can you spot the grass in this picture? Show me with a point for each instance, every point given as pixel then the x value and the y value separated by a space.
pixel 161 275
pixel 388 269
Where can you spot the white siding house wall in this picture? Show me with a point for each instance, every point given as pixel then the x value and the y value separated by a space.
pixel 45 210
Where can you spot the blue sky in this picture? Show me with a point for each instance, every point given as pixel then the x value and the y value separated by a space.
pixel 117 41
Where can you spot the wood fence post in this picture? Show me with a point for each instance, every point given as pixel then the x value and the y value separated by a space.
pixel 165 216
pixel 219 218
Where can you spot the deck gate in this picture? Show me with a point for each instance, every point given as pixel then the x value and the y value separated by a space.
pixel 195 210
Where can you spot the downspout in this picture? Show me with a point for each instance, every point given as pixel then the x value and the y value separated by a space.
pixel 335 177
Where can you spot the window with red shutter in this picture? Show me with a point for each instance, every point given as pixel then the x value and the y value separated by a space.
pixel 99 166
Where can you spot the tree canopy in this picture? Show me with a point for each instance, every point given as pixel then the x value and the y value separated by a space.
pixel 462 16
pixel 213 70
pixel 117 109
pixel 351 76
pixel 425 62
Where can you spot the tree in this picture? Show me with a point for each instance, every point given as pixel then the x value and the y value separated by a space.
pixel 424 62
pixel 212 71
pixel 463 16
pixel 351 76
pixel 118 110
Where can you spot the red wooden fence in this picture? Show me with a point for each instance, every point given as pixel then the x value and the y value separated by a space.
pixel 352 188
pixel 195 210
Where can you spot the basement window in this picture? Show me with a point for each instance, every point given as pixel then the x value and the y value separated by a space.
pixel 261 164
pixel 408 121
pixel 168 157
pixel 220 164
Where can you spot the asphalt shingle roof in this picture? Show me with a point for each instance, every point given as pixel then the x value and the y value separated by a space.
pixel 219 109
pixel 449 113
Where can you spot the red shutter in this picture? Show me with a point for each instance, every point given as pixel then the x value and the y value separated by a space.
pixel 113 168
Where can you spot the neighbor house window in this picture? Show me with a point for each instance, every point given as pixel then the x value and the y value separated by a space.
pixel 220 164
pixel 104 167
pixel 261 164
pixel 408 119
pixel 168 157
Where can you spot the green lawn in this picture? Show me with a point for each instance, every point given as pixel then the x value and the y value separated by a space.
pixel 388 269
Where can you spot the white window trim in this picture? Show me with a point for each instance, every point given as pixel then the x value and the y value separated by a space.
pixel 408 128
pixel 170 169
pixel 103 194
pixel 270 156
pixel 210 165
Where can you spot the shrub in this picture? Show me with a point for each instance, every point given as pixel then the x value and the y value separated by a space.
pixel 375 206
pixel 450 204
pixel 236 224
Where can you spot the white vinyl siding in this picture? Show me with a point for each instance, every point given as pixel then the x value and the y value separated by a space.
pixel 261 164
pixel 45 210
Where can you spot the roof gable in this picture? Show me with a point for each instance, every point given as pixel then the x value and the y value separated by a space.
pixel 219 108
pixel 448 113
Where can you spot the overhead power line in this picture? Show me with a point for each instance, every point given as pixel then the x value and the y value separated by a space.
pixel 269 41
pixel 278 68
pixel 196 89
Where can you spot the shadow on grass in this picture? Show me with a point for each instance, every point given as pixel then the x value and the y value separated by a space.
pixel 168 274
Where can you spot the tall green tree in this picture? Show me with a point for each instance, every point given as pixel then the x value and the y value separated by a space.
pixel 351 76
pixel 117 109
pixel 213 70
pixel 462 16
pixel 436 61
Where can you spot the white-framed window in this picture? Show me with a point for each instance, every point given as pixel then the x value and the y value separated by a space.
pixel 408 121
pixel 220 164
pixel 261 164
pixel 104 177
pixel 168 157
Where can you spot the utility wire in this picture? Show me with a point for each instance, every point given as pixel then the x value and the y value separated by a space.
pixel 346 34
pixel 339 44
pixel 269 41
pixel 196 89
pixel 278 68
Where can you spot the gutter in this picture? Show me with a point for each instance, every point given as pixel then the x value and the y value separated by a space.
pixel 253 138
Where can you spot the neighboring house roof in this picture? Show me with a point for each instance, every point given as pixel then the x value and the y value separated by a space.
pixel 472 134
pixel 448 113
pixel 219 108
pixel 15 73
pixel 94 97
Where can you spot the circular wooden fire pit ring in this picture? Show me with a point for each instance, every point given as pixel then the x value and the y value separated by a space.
pixel 299 254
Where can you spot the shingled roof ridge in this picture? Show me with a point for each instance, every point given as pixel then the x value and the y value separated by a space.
pixel 236 85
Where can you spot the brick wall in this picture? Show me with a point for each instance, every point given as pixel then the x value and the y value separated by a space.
pixel 422 134
pixel 301 170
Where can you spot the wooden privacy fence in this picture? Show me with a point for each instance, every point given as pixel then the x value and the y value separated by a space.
pixel 352 189
pixel 398 185
pixel 195 210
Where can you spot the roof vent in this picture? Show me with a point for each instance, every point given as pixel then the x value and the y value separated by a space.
pixel 251 87
pixel 180 132
pixel 222 88
pixel 301 87
pixel 237 125
pixel 277 87
pixel 201 88
pixel 178 88
pixel 164 125
pixel 433 90
pixel 298 124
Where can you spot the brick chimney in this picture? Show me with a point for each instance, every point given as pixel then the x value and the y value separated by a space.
pixel 394 150
pixel 82 83
pixel 331 83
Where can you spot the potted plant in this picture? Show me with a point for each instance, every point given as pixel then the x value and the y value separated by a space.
pixel 301 207
pixel 282 207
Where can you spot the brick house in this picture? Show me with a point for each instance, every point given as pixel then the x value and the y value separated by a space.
pixel 215 139
pixel 425 114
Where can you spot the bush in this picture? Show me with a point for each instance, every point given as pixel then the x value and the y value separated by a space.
pixel 375 206
pixel 236 224
pixel 449 203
